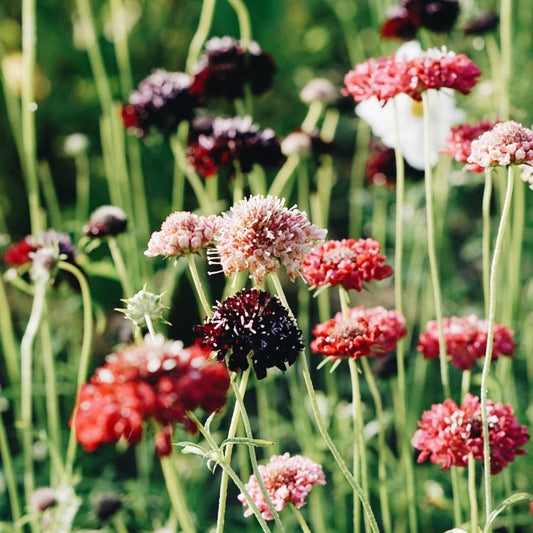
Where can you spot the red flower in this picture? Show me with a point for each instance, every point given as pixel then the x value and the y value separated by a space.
pixel 466 340
pixel 19 252
pixel 348 262
pixel 448 434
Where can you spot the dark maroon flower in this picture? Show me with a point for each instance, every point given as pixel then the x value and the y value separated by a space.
pixel 483 24
pixel 435 15
pixel 401 24
pixel 234 141
pixel 252 324
pixel 380 167
pixel 107 505
pixel 106 220
pixel 162 100
pixel 448 434
pixel 226 66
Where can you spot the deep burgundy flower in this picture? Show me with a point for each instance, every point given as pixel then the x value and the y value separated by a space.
pixel 435 15
pixel 380 169
pixel 449 433
pixel 107 505
pixel 348 262
pixel 466 340
pixel 252 324
pixel 401 23
pixel 483 24
pixel 157 379
pixel 162 101
pixel 226 142
pixel 287 480
pixel 460 142
pixel 106 220
pixel 226 66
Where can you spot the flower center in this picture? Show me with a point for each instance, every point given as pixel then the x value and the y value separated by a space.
pixel 350 328
pixel 336 255
pixel 417 109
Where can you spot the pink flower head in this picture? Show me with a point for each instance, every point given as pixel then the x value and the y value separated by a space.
pixel 258 234
pixel 158 379
pixel 383 78
pixel 508 143
pixel 348 262
pixel 440 69
pixel 183 233
pixel 287 480
pixel 460 140
pixel 527 175
pixel 448 434
pixel 466 340
pixel 338 338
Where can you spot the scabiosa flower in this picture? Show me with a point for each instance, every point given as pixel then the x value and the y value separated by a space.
pixel 259 234
pixel 319 89
pixel 287 480
pixel 301 143
pixel 348 262
pixel 466 340
pixel 483 24
pixel 162 100
pixel 231 141
pixel 401 23
pixel 338 338
pixel 435 15
pixel 159 379
pixel 183 233
pixel 42 498
pixel 507 143
pixel 226 66
pixel 449 433
pixel 380 168
pixel 106 220
pixel 460 142
pixel 527 175
pixel 107 505
pixel 256 324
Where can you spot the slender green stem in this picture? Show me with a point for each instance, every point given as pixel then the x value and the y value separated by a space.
pixel 198 285
pixel 487 193
pixel 300 518
pixel 437 294
pixel 202 31
pixel 176 494
pixel 85 354
pixel 150 326
pixel 506 56
pixel 517 237
pixel 120 266
pixel 322 427
pixel 382 469
pixel 120 41
pixel 118 523
pixel 50 196
pixel 494 271
pixel 314 112
pixel 284 175
pixel 82 186
pixel 7 337
pixel 223 494
pixel 253 457
pixel 9 473
pixel 178 186
pixel 472 493
pixel 29 107
pixel 26 357
pixel 465 383
pixel 243 16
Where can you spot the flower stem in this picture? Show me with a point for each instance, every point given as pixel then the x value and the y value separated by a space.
pixel 120 266
pixel 245 28
pixel 81 162
pixel 7 337
pixel 506 56
pixel 176 494
pixel 223 494
pixel 494 271
pixel 487 193
pixel 283 176
pixel 85 353
pixel 198 285
pixel 437 295
pixel 300 518
pixel 202 31
pixel 149 325
pixel 314 113
pixel 472 492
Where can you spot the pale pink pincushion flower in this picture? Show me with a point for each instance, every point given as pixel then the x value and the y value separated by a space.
pixel 183 233
pixel 460 142
pixel 527 175
pixel 287 480
pixel 259 234
pixel 508 143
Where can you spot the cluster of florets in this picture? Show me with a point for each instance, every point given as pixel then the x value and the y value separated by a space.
pixel 405 19
pixel 482 24
pixel 301 143
pixel 162 100
pixel 373 331
pixel 347 262
pixel 466 340
pixel 319 90
pixel 507 143
pixel 22 252
pixel 387 77
pixel 227 142
pixel 107 220
pixel 252 325
pixel 226 66
pixel 183 233
pixel 460 142
pixel 287 480
pixel 259 234
pixel 448 434
pixel 158 379
pixel 526 175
